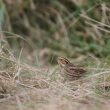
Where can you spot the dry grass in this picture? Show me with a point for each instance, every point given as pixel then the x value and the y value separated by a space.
pixel 83 26
pixel 23 87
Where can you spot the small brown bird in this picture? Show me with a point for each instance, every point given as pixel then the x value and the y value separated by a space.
pixel 71 72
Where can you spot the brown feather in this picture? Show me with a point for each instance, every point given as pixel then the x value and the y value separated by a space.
pixel 71 69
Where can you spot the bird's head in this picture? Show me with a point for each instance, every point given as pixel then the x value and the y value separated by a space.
pixel 62 61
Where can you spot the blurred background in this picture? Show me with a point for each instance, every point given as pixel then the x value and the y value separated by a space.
pixel 46 29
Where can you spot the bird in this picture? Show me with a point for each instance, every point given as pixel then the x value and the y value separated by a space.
pixel 71 72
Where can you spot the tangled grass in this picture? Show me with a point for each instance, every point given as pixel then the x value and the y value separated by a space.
pixel 83 26
pixel 27 87
pixel 78 29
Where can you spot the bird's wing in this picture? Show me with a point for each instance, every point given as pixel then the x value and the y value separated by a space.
pixel 75 71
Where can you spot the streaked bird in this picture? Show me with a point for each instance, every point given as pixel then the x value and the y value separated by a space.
pixel 71 72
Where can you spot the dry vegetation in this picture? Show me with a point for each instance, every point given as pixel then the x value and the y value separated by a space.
pixel 78 29
pixel 23 87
